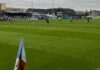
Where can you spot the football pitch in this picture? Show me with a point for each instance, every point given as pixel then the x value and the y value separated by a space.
pixel 60 45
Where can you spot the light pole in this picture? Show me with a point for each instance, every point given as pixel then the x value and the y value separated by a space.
pixel 53 11
pixel 32 4
pixel 53 7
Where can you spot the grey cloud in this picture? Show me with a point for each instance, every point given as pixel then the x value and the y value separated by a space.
pixel 75 4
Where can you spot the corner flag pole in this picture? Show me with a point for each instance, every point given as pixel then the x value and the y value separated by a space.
pixel 21 57
pixel 16 64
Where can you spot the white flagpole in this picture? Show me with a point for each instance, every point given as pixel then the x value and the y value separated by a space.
pixel 16 64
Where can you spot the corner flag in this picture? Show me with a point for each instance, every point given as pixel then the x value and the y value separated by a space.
pixel 21 57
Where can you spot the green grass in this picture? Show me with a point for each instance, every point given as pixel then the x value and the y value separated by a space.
pixel 60 45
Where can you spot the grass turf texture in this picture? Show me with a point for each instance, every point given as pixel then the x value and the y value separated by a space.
pixel 60 45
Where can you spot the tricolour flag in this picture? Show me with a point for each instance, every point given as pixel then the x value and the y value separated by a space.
pixel 21 57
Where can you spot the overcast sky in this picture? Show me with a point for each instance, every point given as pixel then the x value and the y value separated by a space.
pixel 74 4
